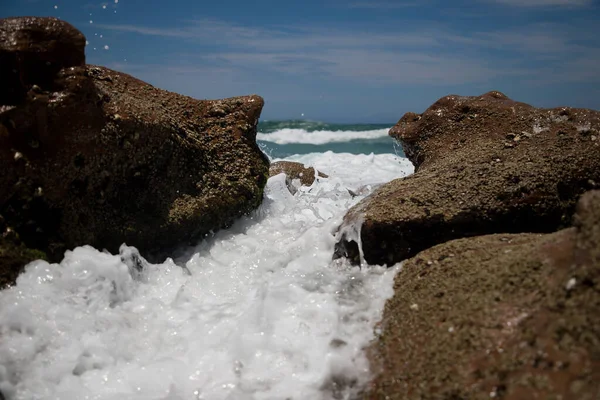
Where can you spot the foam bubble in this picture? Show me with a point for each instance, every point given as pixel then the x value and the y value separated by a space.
pixel 257 311
pixel 356 170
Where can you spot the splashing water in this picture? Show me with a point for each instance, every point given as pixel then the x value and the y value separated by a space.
pixel 288 135
pixel 257 311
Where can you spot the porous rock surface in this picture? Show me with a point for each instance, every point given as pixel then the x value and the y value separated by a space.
pixel 484 164
pixel 508 316
pixel 94 156
pixel 32 51
pixel 294 171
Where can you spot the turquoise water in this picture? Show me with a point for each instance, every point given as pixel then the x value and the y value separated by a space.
pixel 311 126
pixel 280 139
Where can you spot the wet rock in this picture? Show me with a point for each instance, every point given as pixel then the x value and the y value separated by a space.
pixel 363 190
pixel 348 249
pixel 295 171
pixel 104 158
pixel 13 256
pixel 468 182
pixel 136 264
pixel 32 51
pixel 510 316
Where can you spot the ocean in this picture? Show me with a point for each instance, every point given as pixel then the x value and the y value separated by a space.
pixel 280 139
pixel 256 311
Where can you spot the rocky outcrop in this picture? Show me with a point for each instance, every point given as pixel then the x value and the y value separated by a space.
pixel 32 51
pixel 295 171
pixel 94 156
pixel 510 316
pixel 484 165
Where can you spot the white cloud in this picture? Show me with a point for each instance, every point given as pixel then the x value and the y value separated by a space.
pixel 424 55
pixel 385 5
pixel 544 3
pixel 301 37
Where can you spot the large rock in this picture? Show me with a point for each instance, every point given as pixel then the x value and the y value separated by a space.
pixel 500 316
pixel 32 51
pixel 483 165
pixel 103 158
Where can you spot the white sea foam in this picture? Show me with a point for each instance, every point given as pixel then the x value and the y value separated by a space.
pixel 357 169
pixel 263 313
pixel 288 135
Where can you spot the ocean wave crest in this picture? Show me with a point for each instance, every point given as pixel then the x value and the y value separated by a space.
pixel 289 135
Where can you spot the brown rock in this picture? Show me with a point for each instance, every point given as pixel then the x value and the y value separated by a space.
pixel 32 51
pixel 499 316
pixel 105 158
pixel 469 182
pixel 294 170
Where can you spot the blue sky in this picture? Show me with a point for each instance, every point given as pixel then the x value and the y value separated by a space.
pixel 345 60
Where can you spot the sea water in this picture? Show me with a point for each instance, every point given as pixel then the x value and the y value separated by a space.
pixel 287 138
pixel 256 311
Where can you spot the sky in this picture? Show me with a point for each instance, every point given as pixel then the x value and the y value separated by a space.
pixel 345 61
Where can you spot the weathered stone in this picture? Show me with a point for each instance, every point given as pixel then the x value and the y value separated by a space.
pixel 499 316
pixel 294 171
pixel 32 51
pixel 105 158
pixel 468 182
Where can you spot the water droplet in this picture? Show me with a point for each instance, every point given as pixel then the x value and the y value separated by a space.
pixel 238 366
pixel 56 7
pixel 91 22
pixel 104 6
pixel 106 47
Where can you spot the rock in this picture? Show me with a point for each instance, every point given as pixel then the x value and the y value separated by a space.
pixel 13 256
pixel 502 316
pixel 363 190
pixel 587 221
pixel 468 182
pixel 294 170
pixel 32 51
pixel 105 158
